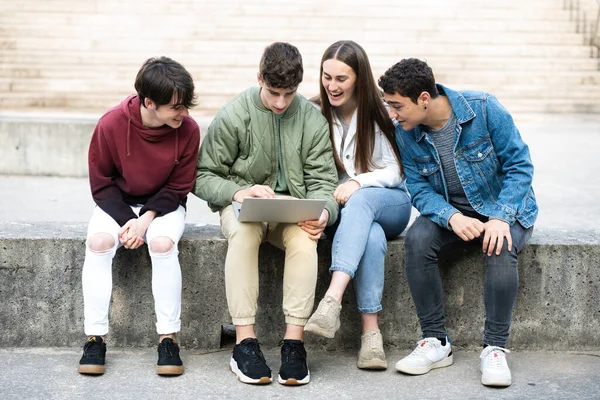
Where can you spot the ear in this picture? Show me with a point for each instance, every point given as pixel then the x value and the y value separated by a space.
pixel 424 98
pixel 259 78
pixel 149 104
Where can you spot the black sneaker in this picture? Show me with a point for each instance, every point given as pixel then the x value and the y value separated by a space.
pixel 294 369
pixel 169 362
pixel 92 361
pixel 248 363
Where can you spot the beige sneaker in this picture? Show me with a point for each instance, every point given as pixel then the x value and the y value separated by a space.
pixel 325 321
pixel 371 354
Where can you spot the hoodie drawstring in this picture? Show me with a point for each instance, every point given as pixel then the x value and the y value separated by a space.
pixel 176 146
pixel 128 133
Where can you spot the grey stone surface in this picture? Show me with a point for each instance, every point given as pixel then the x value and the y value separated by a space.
pixel 40 282
pixel 50 373
pixel 48 144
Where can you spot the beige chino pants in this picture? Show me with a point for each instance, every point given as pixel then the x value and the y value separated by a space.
pixel 241 267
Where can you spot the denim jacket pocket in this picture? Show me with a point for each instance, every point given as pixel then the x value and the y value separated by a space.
pixel 482 153
pixel 429 169
pixel 484 166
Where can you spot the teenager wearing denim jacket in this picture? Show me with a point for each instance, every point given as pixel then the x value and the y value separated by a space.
pixel 375 205
pixel 469 174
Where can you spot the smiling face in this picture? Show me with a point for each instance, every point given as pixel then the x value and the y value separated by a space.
pixel 276 99
pixel 408 113
pixel 339 81
pixel 171 114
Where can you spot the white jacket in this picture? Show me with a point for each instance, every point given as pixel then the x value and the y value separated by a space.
pixel 386 175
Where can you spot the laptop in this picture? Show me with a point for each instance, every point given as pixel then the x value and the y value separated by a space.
pixel 279 209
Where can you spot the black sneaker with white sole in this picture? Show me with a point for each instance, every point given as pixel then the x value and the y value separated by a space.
pixel 92 361
pixel 294 369
pixel 248 363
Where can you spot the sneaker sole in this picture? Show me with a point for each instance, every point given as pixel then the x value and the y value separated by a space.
pixel 233 367
pixel 292 381
pixel 90 369
pixel 372 364
pixel 496 382
pixel 169 370
pixel 423 370
pixel 317 330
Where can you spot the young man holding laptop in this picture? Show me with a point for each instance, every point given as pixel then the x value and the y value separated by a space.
pixel 266 142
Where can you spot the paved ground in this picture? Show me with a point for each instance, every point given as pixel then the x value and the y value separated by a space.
pixel 564 150
pixel 44 373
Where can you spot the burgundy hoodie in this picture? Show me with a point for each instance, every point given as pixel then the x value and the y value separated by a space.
pixel 130 164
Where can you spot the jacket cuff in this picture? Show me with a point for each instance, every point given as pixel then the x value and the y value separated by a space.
pixel 504 214
pixel 445 215
pixel 227 192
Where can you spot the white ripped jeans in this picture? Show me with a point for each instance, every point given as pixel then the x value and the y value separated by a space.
pixel 166 272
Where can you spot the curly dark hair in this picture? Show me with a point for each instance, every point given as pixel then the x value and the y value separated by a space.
pixel 159 79
pixel 281 66
pixel 409 78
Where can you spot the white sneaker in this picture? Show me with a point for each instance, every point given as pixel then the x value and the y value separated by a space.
pixel 428 355
pixel 494 369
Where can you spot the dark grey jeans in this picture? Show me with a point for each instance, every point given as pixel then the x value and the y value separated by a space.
pixel 424 240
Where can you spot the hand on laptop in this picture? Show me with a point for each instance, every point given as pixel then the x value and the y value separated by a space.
pixel 315 227
pixel 261 191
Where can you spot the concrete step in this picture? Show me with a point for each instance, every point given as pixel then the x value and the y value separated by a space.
pixel 207 32
pixel 267 9
pixel 356 26
pixel 252 47
pixel 78 63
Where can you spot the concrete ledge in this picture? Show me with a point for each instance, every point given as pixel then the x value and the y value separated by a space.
pixel 54 144
pixel 40 285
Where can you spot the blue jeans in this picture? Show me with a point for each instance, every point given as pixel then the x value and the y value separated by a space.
pixel 369 218
pixel 424 240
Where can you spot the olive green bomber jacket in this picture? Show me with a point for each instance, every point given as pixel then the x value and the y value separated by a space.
pixel 240 150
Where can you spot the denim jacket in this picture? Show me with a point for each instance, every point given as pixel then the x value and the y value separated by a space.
pixel 492 162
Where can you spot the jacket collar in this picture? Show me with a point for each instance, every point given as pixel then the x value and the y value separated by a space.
pixel 291 110
pixel 459 105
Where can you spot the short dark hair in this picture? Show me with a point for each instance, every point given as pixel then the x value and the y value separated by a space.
pixel 281 66
pixel 409 78
pixel 159 79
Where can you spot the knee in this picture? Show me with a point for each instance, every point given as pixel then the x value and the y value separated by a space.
pixel 161 245
pixel 300 240
pixel 419 237
pixel 377 239
pixel 101 242
pixel 505 258
pixel 249 233
pixel 358 200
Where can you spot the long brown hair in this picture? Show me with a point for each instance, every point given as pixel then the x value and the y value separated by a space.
pixel 370 107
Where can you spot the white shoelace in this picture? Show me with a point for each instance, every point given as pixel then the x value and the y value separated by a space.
pixel 494 355
pixel 424 345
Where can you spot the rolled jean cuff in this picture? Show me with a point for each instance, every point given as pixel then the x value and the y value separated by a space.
pixel 342 269
pixel 96 329
pixel 295 321
pixel 495 343
pixel 165 329
pixel 370 310
pixel 243 321
pixel 437 335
